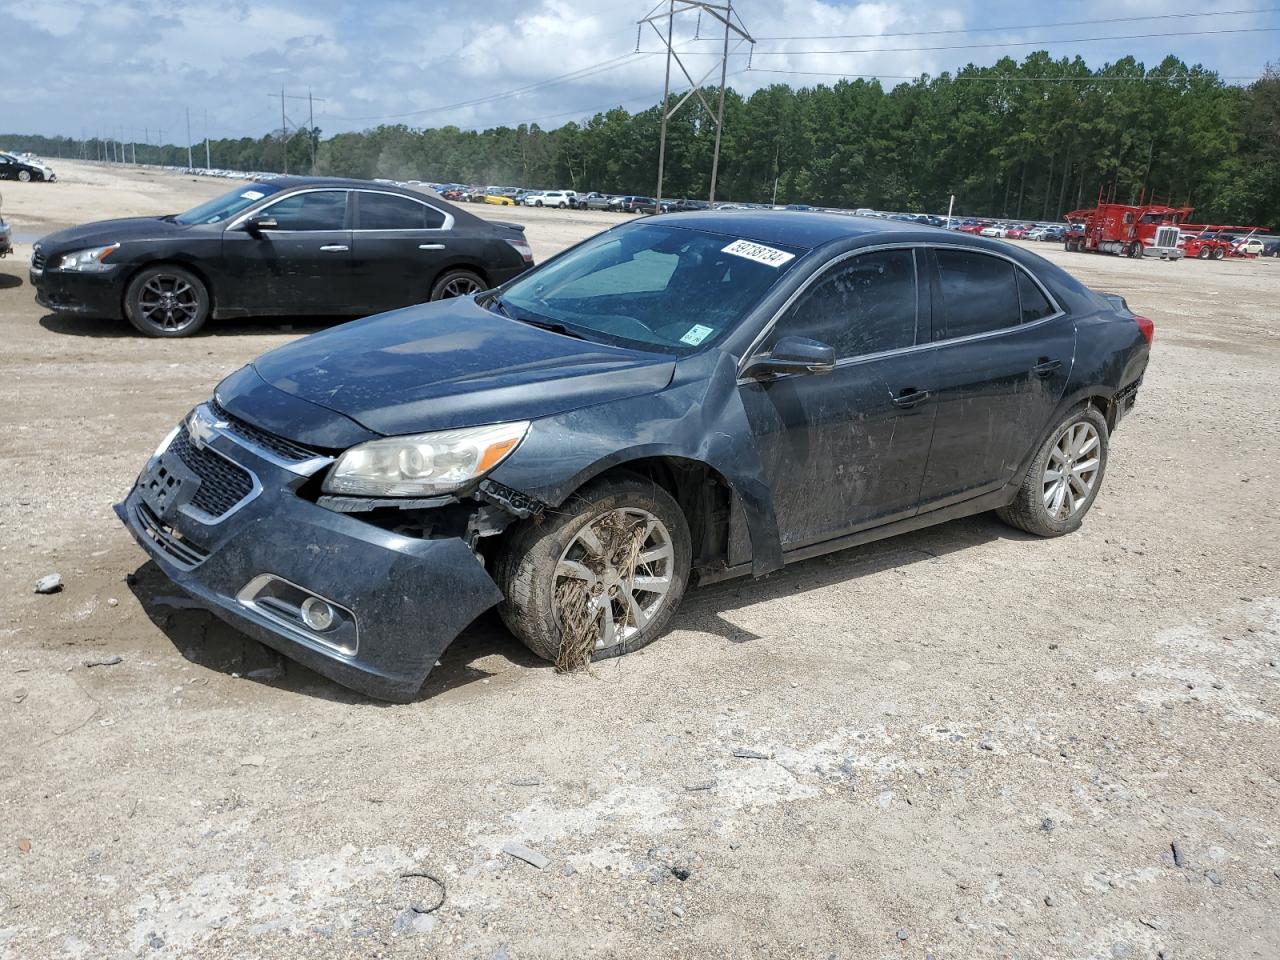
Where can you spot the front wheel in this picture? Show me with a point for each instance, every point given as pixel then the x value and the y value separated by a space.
pixel 1064 477
pixel 24 176
pixel 166 301
pixel 598 578
pixel 1135 250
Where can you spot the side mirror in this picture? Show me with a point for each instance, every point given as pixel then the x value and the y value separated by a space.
pixel 792 355
pixel 256 225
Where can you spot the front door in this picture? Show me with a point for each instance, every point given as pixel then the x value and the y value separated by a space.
pixel 847 450
pixel 302 265
pixel 1004 355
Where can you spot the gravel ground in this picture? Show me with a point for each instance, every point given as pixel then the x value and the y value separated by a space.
pixel 960 743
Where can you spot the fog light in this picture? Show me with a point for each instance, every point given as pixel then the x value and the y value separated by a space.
pixel 317 614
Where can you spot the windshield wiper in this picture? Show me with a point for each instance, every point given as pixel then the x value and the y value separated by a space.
pixel 533 321
pixel 551 325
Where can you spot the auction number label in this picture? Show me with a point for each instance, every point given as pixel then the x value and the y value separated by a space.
pixel 759 253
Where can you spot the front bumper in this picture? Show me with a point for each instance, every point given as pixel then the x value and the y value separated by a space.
pixel 90 294
pixel 409 597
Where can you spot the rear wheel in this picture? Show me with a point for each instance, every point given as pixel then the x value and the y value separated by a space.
pixel 1204 254
pixel 1218 253
pixel 456 283
pixel 1064 477
pixel 599 578
pixel 166 301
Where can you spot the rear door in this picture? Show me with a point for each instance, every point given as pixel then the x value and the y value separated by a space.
pixel 303 265
pixel 848 450
pixel 400 245
pixel 1004 355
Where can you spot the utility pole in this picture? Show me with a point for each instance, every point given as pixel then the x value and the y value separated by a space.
pixel 733 24
pixel 189 163
pixel 284 124
pixel 311 129
pixel 208 164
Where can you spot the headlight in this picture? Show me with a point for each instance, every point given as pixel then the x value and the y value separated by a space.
pixel 88 261
pixel 425 464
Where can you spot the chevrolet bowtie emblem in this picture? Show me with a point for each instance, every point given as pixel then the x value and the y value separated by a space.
pixel 201 429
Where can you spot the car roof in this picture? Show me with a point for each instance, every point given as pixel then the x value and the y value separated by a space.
pixel 806 228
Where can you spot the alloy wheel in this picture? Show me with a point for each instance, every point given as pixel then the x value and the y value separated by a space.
pixel 168 303
pixel 625 561
pixel 1071 471
pixel 461 286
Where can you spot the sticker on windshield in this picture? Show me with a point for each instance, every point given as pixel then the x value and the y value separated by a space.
pixel 697 333
pixel 252 195
pixel 759 253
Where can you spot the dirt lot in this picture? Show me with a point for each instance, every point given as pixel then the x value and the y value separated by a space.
pixel 980 744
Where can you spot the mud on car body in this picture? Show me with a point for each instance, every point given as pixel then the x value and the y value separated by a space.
pixel 689 397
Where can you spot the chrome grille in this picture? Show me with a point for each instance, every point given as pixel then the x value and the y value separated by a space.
pixel 285 449
pixel 175 546
pixel 37 259
pixel 223 484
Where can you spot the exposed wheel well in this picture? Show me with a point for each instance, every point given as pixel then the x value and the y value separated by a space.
pixel 704 496
pixel 190 268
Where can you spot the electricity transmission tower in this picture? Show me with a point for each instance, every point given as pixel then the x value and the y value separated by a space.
pixel 284 125
pixel 733 27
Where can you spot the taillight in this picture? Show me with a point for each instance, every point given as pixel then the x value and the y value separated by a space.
pixel 1147 327
pixel 522 247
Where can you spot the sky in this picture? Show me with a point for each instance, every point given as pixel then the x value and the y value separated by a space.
pixel 132 68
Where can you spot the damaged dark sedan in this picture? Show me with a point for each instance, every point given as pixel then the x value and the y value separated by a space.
pixel 683 399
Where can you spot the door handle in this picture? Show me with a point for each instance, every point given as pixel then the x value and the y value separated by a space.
pixel 335 248
pixel 1045 367
pixel 910 397
pixel 431 246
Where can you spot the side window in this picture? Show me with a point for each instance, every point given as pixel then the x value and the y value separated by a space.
pixel 1035 305
pixel 384 211
pixel 318 210
pixel 979 294
pixel 864 305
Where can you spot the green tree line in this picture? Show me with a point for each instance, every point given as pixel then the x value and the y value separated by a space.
pixel 1028 140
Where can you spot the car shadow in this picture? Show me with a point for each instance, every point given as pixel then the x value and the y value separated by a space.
pixel 77 325
pixel 205 640
pixel 8 281
pixel 704 609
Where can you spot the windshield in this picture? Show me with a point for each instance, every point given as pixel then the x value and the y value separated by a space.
pixel 225 206
pixel 654 285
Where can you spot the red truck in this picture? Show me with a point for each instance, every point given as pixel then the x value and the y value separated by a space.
pixel 1127 230
pixel 1208 241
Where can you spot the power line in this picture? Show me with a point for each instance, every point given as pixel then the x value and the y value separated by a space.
pixel 580 74
pixel 1001 43
pixel 1025 26
pixel 1001 77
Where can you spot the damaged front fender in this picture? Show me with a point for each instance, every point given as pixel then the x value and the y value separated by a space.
pixel 698 417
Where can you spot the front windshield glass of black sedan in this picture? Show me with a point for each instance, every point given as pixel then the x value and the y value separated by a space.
pixel 226 206
pixel 657 285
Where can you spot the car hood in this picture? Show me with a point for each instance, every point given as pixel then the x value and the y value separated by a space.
pixel 102 232
pixel 452 364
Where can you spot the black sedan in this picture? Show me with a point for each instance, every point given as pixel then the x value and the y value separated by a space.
pixel 699 395
pixel 24 171
pixel 294 245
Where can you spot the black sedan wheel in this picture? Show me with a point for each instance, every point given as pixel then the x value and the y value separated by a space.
pixel 167 301
pixel 1064 478
pixel 601 577
pixel 24 176
pixel 456 283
